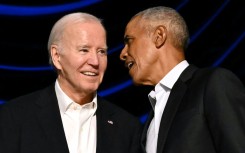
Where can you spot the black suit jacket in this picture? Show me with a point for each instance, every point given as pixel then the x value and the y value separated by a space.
pixel 205 113
pixel 32 124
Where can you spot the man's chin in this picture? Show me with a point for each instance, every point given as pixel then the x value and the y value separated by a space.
pixel 136 81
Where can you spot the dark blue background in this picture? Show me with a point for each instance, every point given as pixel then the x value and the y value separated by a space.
pixel 217 30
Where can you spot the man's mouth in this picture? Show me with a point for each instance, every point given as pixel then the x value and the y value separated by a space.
pixel 129 65
pixel 89 73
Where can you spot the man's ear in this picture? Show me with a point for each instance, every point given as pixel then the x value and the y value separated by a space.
pixel 160 36
pixel 55 56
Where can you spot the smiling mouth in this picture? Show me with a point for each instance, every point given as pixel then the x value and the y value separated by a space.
pixel 89 73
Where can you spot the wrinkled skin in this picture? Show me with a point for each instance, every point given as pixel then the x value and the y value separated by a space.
pixel 82 60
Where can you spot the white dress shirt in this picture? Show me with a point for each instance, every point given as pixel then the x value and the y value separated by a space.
pixel 79 122
pixel 158 100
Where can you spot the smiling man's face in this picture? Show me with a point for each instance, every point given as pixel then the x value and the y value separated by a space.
pixel 82 60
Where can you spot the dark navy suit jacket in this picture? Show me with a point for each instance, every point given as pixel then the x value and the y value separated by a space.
pixel 32 124
pixel 205 113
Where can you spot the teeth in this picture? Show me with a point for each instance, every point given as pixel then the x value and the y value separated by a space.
pixel 130 64
pixel 89 73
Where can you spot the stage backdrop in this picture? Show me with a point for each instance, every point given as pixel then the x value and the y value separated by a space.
pixel 217 30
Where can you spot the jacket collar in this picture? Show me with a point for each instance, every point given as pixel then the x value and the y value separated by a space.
pixel 175 98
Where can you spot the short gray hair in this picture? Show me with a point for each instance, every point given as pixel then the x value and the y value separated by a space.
pixel 171 19
pixel 58 28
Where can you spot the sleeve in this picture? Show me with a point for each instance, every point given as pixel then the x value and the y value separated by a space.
pixel 8 131
pixel 224 108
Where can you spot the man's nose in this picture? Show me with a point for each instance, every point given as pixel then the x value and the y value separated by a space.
pixel 123 54
pixel 93 59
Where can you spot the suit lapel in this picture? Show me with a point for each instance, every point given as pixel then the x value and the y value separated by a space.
pixel 105 127
pixel 50 119
pixel 172 106
pixel 169 113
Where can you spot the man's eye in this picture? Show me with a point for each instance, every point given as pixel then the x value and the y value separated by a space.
pixel 83 50
pixel 127 40
pixel 103 52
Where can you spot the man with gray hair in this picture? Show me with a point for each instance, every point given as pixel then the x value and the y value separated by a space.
pixel 194 110
pixel 69 116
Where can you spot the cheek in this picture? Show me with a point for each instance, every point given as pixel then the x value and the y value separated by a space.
pixel 146 58
pixel 143 49
pixel 73 64
pixel 77 60
pixel 151 56
pixel 103 63
pixel 145 65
